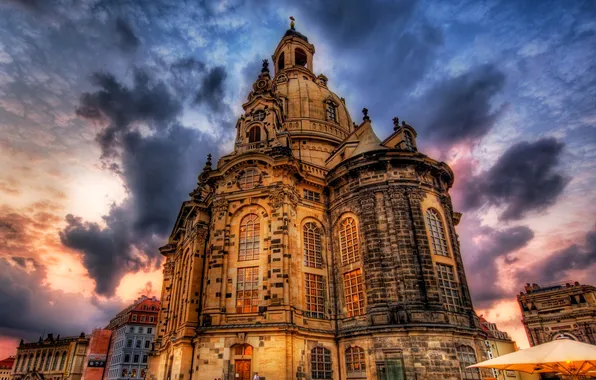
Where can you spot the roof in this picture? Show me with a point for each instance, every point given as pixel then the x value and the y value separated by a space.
pixel 294 33
pixel 7 363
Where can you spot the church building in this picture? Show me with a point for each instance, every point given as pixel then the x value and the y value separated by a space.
pixel 315 250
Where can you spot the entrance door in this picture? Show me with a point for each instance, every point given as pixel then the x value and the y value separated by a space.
pixel 243 369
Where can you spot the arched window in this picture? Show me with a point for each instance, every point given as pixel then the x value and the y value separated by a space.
pixel 62 360
pixel 312 245
pixel 300 57
pixel 280 62
pixel 467 357
pixel 355 362
pixel 348 241
pixel 250 238
pixel 437 232
pixel 320 363
pixel 409 141
pixel 254 134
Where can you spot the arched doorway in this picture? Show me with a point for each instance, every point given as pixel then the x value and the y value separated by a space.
pixel 242 356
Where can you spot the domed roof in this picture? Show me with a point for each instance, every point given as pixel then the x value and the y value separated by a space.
pixel 308 102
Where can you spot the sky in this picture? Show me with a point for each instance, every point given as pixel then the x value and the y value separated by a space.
pixel 109 107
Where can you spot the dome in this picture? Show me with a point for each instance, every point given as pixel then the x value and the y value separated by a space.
pixel 311 109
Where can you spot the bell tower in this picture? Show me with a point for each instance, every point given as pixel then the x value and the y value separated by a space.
pixel 293 52
pixel 260 127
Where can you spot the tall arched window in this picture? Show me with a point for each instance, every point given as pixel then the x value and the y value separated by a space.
pixel 300 57
pixel 467 357
pixel 254 134
pixel 312 245
pixel 320 363
pixel 355 362
pixel 437 232
pixel 348 241
pixel 250 238
pixel 280 62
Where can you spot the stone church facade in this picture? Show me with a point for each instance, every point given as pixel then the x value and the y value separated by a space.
pixel 315 250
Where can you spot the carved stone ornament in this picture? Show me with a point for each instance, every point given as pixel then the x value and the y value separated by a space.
pixel 220 205
pixel 276 197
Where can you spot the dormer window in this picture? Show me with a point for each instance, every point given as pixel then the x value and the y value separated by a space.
pixel 331 111
pixel 254 134
pixel 300 57
pixel 259 115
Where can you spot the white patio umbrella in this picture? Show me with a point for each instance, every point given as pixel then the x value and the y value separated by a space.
pixel 564 356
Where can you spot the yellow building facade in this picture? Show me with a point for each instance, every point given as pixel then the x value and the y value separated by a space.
pixel 52 358
pixel 315 250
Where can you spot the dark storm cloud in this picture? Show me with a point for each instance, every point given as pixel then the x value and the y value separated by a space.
pixel 212 90
pixel 32 307
pixel 575 257
pixel 127 40
pixel 525 178
pixel 355 21
pixel 145 102
pixel 482 271
pixel 159 169
pixel 385 48
pixel 460 109
pixel 106 252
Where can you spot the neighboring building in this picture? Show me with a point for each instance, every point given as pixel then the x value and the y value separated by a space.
pixel 133 330
pixel 96 356
pixel 315 250
pixel 51 358
pixel 498 343
pixel 6 368
pixel 556 311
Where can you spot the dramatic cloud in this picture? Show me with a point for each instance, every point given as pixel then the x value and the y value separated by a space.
pixel 127 40
pixel 392 47
pixel 483 271
pixel 212 90
pixel 575 257
pixel 25 299
pixel 122 106
pixel 158 168
pixel 460 107
pixel 527 177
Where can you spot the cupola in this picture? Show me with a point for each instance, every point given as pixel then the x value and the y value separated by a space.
pixel 293 51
